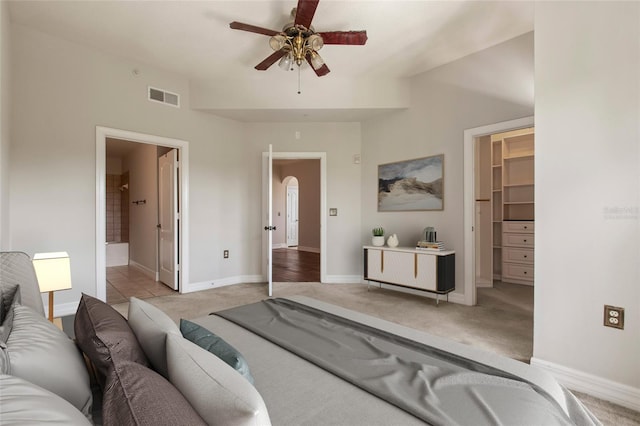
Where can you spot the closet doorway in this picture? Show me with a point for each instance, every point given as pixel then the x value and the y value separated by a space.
pixel 498 201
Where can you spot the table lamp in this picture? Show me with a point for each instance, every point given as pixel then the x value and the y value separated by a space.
pixel 53 271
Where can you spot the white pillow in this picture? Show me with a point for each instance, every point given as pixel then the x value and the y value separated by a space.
pixel 218 392
pixel 151 326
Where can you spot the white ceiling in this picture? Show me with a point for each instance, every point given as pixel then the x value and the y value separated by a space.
pixel 193 38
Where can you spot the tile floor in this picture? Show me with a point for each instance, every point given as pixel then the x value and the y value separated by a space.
pixel 127 281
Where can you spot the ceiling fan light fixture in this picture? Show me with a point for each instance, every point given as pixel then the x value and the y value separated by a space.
pixel 316 60
pixel 277 42
pixel 286 62
pixel 315 42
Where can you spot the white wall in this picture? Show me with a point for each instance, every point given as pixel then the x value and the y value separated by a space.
pixel 491 86
pixel 142 165
pixel 5 134
pixel 62 92
pixel 587 62
pixel 340 141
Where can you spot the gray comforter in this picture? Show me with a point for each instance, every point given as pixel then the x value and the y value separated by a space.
pixel 437 386
pixel 298 392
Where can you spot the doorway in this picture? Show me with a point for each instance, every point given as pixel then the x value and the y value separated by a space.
pixel 153 142
pixel 294 165
pixel 296 213
pixel 471 234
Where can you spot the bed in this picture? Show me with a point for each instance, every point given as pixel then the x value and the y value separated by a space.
pixel 299 391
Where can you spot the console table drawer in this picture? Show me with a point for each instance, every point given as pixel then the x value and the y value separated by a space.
pixel 518 255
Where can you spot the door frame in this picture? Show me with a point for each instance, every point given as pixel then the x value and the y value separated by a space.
pixel 322 156
pixel 470 136
pixel 102 133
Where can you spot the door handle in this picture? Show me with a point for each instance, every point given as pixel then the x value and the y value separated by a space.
pixel 269 228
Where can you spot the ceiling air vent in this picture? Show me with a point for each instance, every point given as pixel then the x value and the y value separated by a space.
pixel 162 96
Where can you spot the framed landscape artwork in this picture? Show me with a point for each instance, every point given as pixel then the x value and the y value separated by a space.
pixel 411 185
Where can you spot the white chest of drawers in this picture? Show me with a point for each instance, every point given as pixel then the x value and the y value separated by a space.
pixel 518 252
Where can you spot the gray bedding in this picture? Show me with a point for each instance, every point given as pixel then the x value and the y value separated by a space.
pixel 297 392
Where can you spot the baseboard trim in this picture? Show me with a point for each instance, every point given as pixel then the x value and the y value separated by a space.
pixel 148 272
pixel 309 249
pixel 342 279
pixel 222 282
pixel 596 386
pixel 279 246
pixel 62 309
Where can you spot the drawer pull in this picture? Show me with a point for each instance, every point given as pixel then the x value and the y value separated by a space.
pixel 525 256
pixel 525 272
pixel 525 241
pixel 525 227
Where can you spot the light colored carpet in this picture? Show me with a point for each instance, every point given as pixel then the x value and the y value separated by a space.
pixel 502 322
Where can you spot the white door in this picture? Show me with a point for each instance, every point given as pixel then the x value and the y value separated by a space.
pixel 292 216
pixel 267 208
pixel 168 218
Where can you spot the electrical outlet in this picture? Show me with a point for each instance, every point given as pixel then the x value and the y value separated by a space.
pixel 225 254
pixel 613 317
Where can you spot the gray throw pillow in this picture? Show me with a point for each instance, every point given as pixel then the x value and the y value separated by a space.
pixel 151 327
pixel 9 296
pixel 137 395
pixel 105 337
pixel 217 346
pixel 44 355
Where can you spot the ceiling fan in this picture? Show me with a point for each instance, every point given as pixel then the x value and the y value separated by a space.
pixel 298 41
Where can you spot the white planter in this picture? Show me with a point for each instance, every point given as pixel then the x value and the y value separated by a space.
pixel 377 241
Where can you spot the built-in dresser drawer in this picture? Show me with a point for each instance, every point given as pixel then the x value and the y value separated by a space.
pixel 518 255
pixel 517 240
pixel 518 272
pixel 517 226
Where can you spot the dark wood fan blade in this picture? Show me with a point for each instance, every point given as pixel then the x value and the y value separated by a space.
pixel 305 11
pixel 323 70
pixel 262 66
pixel 252 28
pixel 344 37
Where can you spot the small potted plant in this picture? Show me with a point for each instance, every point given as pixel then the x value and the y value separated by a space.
pixel 378 236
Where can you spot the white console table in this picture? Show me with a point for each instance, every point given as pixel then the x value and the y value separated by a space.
pixel 432 271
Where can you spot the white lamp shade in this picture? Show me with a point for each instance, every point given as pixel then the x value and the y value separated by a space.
pixel 53 271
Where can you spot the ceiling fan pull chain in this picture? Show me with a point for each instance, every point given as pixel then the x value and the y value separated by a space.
pixel 298 79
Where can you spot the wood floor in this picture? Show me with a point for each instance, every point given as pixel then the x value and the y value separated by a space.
pixel 290 265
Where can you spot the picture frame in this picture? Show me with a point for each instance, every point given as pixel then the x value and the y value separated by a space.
pixel 411 185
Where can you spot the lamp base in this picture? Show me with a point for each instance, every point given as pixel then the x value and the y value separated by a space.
pixel 51 306
pixel 58 323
